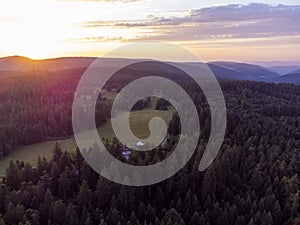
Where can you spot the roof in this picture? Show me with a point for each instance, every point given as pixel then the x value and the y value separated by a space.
pixel 126 153
pixel 139 143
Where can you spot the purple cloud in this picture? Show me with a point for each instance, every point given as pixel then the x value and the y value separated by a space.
pixel 234 21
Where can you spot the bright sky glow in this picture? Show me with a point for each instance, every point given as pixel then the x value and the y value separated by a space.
pixel 56 28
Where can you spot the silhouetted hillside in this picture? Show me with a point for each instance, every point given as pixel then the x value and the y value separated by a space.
pixel 19 63
pixel 224 70
pixel 292 78
pixel 284 69
pixel 248 71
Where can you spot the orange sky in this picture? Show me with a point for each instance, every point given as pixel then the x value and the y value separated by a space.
pixel 55 28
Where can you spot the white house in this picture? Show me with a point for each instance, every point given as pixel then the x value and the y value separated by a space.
pixel 139 145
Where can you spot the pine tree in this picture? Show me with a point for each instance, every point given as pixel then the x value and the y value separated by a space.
pixel 133 219
pixel 84 196
pixel 64 186
pixel 71 217
pixel 13 176
pixel 57 152
pixel 10 215
pixel 88 221
pixel 57 212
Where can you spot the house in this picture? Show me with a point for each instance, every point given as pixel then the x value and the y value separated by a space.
pixel 126 154
pixel 139 145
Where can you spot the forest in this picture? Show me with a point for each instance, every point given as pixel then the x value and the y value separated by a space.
pixel 254 180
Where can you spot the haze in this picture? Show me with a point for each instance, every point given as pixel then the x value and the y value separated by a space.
pixel 214 30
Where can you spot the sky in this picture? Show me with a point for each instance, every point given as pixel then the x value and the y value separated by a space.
pixel 214 30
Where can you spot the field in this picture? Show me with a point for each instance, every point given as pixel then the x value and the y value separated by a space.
pixel 138 121
pixel 30 153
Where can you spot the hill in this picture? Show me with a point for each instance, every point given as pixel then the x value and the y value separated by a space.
pixel 224 73
pixel 254 179
pixel 19 63
pixel 247 71
pixel 29 153
pixel 221 69
pixel 295 71
pixel 292 78
pixel 281 70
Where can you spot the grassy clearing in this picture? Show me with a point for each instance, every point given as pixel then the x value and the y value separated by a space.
pixel 30 153
pixel 138 122
pixel 109 95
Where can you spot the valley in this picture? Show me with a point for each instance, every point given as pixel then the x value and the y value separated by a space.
pixel 30 153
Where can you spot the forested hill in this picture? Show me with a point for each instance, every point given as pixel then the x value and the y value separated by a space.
pixel 254 180
pixel 36 106
pixel 19 63
pixel 223 70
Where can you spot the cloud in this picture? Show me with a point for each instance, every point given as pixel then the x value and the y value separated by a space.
pixel 119 0
pixel 253 21
pixel 122 1
pixel 98 39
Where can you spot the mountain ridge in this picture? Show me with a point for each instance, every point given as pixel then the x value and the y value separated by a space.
pixel 221 69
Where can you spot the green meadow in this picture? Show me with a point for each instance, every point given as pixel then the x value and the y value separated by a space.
pixel 29 153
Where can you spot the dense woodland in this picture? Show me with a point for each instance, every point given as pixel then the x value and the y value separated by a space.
pixel 254 180
pixel 36 106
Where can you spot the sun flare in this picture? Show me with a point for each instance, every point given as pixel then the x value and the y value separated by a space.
pixel 56 28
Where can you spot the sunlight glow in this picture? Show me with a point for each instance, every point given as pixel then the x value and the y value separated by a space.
pixel 55 28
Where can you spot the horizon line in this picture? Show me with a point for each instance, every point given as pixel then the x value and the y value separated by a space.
pixel 292 63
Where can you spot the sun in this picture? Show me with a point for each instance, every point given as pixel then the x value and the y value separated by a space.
pixel 50 28
pixel 35 33
pixel 33 44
